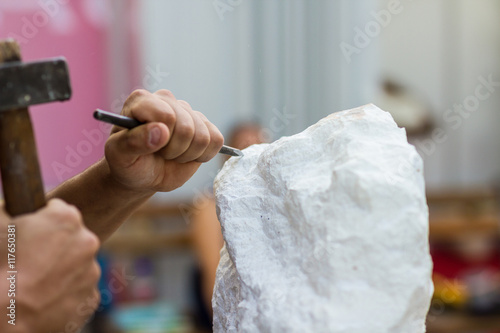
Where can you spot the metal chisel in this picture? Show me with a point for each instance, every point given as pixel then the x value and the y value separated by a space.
pixel 129 123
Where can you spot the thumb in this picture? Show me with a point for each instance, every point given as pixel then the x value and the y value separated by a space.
pixel 126 146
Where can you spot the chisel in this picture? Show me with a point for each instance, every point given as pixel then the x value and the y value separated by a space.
pixel 129 123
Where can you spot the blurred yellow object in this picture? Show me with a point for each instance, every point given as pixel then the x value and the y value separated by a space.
pixel 451 292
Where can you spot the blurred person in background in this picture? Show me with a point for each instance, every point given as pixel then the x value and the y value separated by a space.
pixel 206 230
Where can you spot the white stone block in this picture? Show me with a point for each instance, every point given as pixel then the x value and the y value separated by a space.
pixel 325 231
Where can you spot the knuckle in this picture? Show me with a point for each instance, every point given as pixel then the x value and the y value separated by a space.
pixel 132 100
pixel 90 241
pixel 70 215
pixel 201 115
pixel 134 96
pixel 184 131
pixel 202 139
pixel 97 298
pixel 185 104
pixel 55 205
pixel 95 272
pixel 217 139
pixel 165 92
pixel 203 158
pixel 169 116
pixel 138 93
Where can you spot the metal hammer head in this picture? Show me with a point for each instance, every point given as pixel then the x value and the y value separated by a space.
pixel 25 84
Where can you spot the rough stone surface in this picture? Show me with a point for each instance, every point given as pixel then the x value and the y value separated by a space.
pixel 325 231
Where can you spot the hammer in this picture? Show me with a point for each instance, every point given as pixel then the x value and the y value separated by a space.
pixel 22 85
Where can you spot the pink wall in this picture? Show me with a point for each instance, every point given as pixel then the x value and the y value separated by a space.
pixel 68 138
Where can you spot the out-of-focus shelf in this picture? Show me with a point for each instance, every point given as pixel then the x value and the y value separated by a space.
pixel 152 228
pixel 462 195
pixel 145 244
pixel 456 322
pixel 152 210
pixel 443 228
pixel 456 214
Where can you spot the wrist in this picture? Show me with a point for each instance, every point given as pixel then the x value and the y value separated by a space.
pixel 118 188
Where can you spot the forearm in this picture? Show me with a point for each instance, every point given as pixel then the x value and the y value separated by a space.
pixel 104 203
pixel 149 158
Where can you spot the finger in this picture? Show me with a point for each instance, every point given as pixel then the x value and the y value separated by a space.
pixel 200 141
pixel 165 93
pixel 126 147
pixel 88 301
pixel 185 104
pixel 216 140
pixel 95 298
pixel 88 273
pixel 85 275
pixel 141 106
pixel 60 207
pixel 94 273
pixel 182 135
pixel 90 242
pixel 67 216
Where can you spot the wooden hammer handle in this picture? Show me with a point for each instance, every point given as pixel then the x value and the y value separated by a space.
pixel 21 178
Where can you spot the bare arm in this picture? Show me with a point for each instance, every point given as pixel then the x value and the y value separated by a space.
pixel 104 203
pixel 160 155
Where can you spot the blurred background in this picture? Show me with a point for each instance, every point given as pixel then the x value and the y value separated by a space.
pixel 278 67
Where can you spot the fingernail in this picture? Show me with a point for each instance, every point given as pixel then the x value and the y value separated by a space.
pixel 154 136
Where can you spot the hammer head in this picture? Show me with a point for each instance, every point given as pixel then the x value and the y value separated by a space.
pixel 25 84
